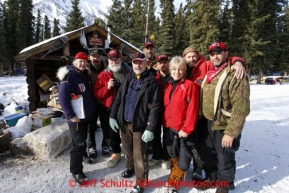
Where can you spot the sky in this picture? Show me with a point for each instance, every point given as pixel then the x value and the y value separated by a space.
pixel 104 4
pixel 262 160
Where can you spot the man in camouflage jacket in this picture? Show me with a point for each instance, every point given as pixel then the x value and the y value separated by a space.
pixel 225 104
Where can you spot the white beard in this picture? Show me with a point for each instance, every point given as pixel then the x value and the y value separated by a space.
pixel 115 68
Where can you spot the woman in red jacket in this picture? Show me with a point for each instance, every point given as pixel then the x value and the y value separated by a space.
pixel 181 107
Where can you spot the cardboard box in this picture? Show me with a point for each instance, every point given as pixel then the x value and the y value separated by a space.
pixel 44 82
pixel 41 121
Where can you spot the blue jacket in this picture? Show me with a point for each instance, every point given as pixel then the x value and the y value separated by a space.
pixel 79 83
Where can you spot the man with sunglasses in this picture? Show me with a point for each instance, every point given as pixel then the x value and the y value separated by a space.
pixel 225 105
pixel 137 121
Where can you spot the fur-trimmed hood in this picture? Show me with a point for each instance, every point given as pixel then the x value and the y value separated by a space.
pixel 62 72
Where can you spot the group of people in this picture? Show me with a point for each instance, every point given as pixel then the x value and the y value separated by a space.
pixel 184 108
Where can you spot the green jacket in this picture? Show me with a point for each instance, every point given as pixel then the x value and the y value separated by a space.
pixel 232 105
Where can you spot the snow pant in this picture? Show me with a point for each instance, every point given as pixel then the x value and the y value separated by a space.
pixel 92 127
pixel 178 148
pixel 135 150
pixel 114 137
pixel 78 151
pixel 219 162
pixel 159 148
pixel 198 163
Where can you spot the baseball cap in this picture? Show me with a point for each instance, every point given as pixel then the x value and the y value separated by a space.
pixel 138 57
pixel 217 46
pixel 147 44
pixel 96 51
pixel 162 57
pixel 190 49
pixel 113 53
pixel 81 55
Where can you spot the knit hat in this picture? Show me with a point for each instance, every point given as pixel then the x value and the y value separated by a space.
pixel 190 49
pixel 217 46
pixel 81 55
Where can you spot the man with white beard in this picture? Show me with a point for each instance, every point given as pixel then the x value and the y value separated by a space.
pixel 105 89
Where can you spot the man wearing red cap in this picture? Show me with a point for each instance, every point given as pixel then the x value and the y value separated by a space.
pixel 197 68
pixel 75 79
pixel 137 121
pixel 159 148
pixel 149 51
pixel 105 89
pixel 225 105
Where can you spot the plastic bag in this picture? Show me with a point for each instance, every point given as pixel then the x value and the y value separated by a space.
pixel 77 106
pixel 25 124
pixel 49 141
pixel 16 132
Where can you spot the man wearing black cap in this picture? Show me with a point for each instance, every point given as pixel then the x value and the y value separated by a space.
pixel 130 113
pixel 95 66
pixel 159 149
pixel 105 89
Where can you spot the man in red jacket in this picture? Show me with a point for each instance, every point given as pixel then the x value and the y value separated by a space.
pixel 105 89
pixel 197 68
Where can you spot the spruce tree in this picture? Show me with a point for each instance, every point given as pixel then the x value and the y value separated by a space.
pixel 12 18
pixel 126 25
pixel 153 25
pixel 37 27
pixel 182 34
pixel 263 46
pixel 2 34
pixel 203 23
pixel 167 30
pixel 138 24
pixel 74 20
pixel 56 29
pixel 100 22
pixel 224 23
pixel 25 27
pixel 240 39
pixel 47 28
pixel 114 17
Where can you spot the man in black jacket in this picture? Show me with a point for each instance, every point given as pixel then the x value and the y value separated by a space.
pixel 136 109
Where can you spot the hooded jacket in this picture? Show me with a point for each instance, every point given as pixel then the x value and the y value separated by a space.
pixel 144 117
pixel 79 83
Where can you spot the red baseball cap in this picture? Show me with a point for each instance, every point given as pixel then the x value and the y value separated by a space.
pixel 149 44
pixel 113 53
pixel 81 55
pixel 217 46
pixel 138 57
pixel 162 57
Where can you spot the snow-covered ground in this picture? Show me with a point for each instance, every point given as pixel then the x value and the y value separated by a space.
pixel 262 160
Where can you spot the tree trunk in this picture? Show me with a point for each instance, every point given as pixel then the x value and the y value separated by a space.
pixel 260 74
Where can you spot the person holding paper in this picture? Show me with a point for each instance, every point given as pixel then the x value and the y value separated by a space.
pixel 76 87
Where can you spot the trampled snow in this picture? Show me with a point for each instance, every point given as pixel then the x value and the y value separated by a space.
pixel 262 160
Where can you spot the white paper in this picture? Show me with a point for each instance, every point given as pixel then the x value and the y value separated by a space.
pixel 78 108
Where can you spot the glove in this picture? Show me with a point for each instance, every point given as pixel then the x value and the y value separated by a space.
pixel 113 124
pixel 147 136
